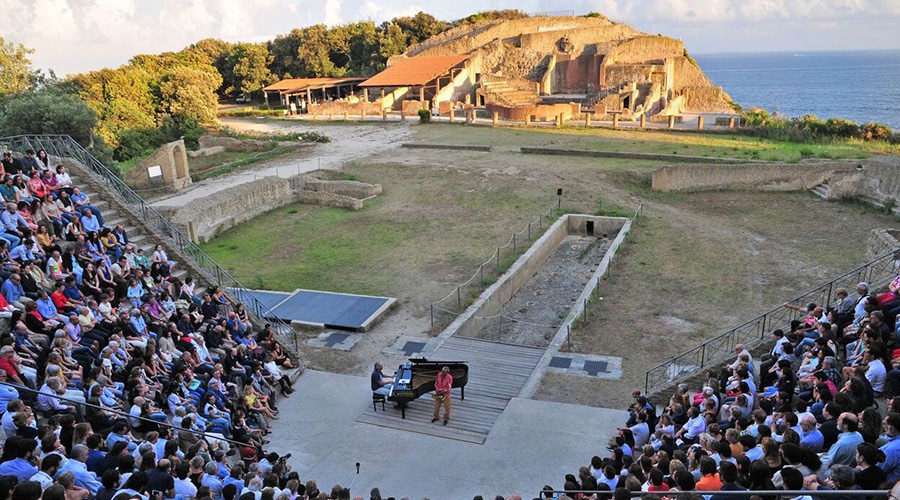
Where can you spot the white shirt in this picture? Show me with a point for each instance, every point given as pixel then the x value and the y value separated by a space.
pixel 694 427
pixel 876 375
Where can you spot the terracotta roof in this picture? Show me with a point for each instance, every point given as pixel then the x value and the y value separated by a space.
pixel 298 84
pixel 414 71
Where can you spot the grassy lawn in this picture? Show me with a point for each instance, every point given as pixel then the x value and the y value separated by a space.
pixel 647 141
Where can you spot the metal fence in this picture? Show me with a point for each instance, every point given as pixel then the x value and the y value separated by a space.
pixel 444 310
pixel 65 146
pixel 876 272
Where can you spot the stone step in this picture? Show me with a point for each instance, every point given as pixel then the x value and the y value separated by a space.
pixel 821 191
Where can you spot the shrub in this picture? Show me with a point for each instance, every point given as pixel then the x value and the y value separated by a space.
pixel 839 127
pixel 875 131
pixel 755 117
pixel 424 116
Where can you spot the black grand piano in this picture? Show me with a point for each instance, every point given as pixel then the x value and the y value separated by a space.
pixel 416 378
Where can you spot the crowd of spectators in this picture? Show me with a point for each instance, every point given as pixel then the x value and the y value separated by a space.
pixel 117 378
pixel 819 411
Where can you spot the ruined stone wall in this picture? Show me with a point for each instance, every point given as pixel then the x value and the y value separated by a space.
pixel 594 39
pixel 646 48
pixel 706 100
pixel 750 176
pixel 539 112
pixel 575 73
pixel 339 108
pixel 169 161
pixel 882 241
pixel 205 217
pixel 618 74
pixel 353 189
pixel 686 74
pixel 463 39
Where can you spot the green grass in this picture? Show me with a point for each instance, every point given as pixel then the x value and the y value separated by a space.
pixel 720 145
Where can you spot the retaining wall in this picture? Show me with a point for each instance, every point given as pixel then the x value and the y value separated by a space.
pixel 204 218
pixel 491 301
pixel 752 176
pixel 882 241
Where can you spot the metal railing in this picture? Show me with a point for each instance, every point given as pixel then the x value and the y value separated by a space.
pixel 785 494
pixel 446 309
pixel 65 147
pixel 718 349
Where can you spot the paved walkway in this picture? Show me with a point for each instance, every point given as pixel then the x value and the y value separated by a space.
pixel 348 142
pixel 533 443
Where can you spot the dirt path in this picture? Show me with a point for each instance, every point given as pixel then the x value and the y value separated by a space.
pixel 347 143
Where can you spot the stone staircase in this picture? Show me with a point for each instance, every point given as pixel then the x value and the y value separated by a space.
pixel 821 191
pixel 504 93
pixel 113 215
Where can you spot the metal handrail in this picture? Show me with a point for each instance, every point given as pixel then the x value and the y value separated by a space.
pixel 734 493
pixel 718 348
pixel 65 146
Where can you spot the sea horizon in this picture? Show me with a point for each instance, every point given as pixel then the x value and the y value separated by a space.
pixel 857 85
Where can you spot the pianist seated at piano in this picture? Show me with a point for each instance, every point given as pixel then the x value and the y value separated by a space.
pixel 380 383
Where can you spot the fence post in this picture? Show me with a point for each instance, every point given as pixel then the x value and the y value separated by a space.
pixel 481 273
pixel 828 300
pixel 432 315
pixel 762 331
pixel 458 299
pixel 529 230
pixel 498 259
pixel 514 243
pixel 702 355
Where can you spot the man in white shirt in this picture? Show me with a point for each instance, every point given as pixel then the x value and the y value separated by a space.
pixel 693 427
pixel 49 466
pixel 875 371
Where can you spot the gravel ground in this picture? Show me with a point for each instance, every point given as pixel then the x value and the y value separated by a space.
pixel 534 313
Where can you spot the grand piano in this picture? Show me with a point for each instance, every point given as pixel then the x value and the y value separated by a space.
pixel 416 378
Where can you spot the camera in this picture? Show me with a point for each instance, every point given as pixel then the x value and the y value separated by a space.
pixel 284 458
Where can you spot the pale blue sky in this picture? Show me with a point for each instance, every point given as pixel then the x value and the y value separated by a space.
pixel 81 35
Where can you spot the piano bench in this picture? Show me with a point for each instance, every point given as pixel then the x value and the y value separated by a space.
pixel 378 398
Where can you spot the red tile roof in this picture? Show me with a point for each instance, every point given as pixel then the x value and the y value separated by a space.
pixel 297 84
pixel 414 71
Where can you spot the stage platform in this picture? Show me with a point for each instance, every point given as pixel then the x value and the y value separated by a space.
pixel 497 372
pixel 324 309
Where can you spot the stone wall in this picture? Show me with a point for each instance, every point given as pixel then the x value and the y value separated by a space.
pixel 164 170
pixel 339 108
pixel 749 176
pixel 352 189
pixel 875 180
pixel 538 112
pixel 882 241
pixel 707 100
pixel 492 300
pixel 203 218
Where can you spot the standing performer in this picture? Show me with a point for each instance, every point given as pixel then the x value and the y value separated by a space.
pixel 442 384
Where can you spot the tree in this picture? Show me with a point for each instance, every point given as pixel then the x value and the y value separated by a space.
pixel 285 58
pixel 16 74
pixel 187 93
pixel 249 68
pixel 419 27
pixel 313 53
pixel 47 111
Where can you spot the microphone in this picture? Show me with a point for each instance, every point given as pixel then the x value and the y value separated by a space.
pixel 354 477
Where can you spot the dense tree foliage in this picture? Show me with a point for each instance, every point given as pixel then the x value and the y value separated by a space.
pixel 50 110
pixel 16 74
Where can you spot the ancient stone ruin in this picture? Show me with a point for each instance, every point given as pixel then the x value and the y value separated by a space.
pixel 166 170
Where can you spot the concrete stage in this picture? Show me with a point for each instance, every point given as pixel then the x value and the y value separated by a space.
pixel 532 443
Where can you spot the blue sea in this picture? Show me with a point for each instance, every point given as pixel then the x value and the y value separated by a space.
pixel 862 86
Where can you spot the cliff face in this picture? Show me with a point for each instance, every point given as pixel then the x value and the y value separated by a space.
pixel 578 55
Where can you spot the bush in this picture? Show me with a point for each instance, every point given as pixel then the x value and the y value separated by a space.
pixel 875 131
pixel 755 117
pixel 424 116
pixel 839 127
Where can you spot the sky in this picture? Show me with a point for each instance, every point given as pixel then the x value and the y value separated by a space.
pixel 71 36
